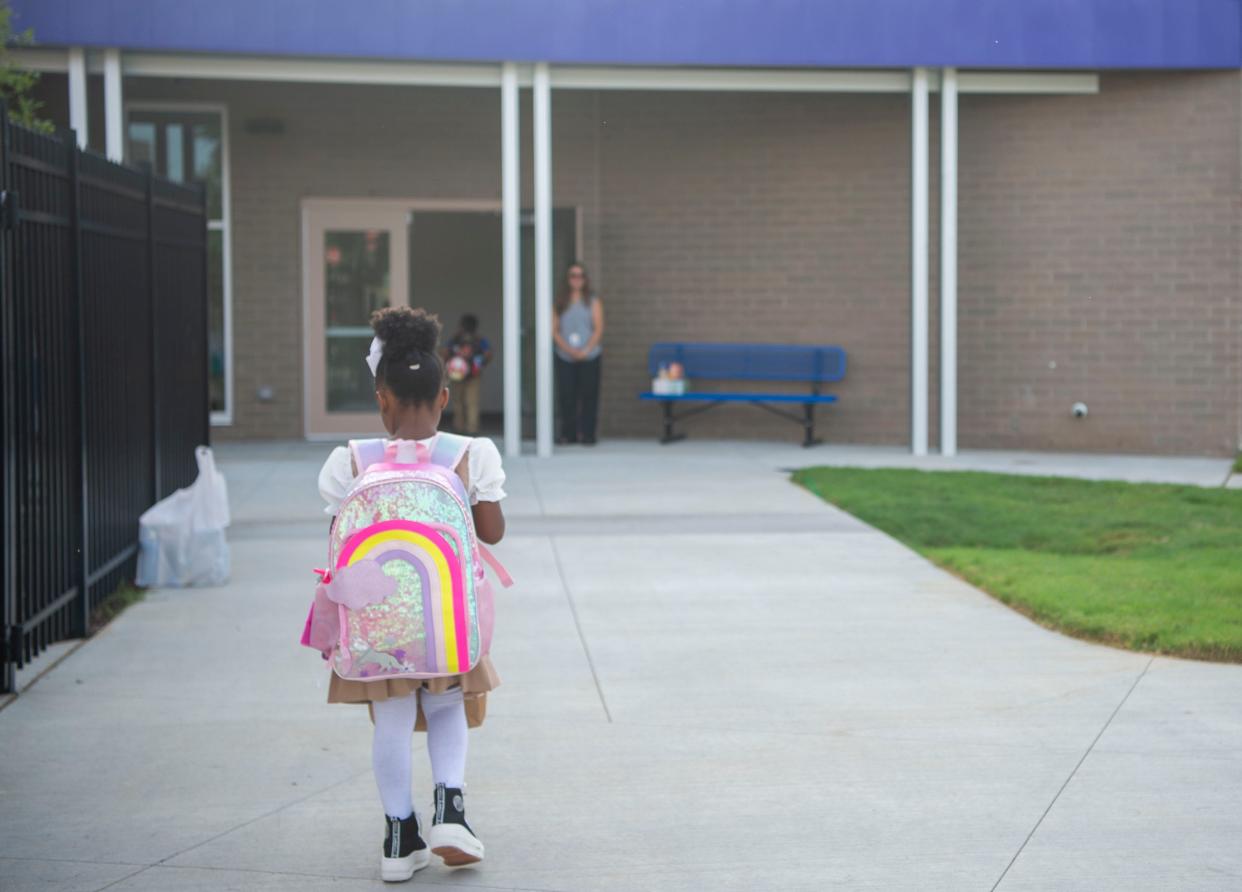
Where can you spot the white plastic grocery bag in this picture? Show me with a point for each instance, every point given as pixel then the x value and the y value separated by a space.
pixel 181 538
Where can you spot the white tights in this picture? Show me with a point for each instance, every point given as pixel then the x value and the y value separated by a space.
pixel 390 748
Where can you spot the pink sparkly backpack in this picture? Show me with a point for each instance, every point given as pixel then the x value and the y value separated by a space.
pixel 404 595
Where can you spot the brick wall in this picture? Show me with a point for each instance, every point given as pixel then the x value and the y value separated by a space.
pixel 1098 233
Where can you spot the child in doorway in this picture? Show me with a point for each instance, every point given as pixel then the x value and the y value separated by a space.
pixel 410 391
pixel 467 354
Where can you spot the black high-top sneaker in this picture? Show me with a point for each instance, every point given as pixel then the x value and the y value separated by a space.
pixel 451 837
pixel 405 850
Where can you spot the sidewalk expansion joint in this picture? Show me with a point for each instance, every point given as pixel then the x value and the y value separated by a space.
pixel 127 876
pixel 1078 765
pixel 533 470
pixel 573 609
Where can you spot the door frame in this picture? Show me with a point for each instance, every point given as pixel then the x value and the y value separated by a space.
pixel 313 356
pixel 362 205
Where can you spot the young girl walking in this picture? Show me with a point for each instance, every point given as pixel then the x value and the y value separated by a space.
pixel 410 390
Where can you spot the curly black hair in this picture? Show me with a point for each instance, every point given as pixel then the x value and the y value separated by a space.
pixel 410 366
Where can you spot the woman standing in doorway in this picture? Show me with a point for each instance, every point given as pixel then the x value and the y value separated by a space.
pixel 578 332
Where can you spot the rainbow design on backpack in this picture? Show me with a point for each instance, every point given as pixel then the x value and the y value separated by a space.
pixel 428 551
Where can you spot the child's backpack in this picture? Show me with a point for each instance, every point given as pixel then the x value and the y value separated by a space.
pixel 405 595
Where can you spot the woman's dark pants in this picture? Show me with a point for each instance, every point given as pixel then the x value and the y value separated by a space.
pixel 577 385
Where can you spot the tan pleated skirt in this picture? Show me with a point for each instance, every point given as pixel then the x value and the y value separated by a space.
pixel 474 687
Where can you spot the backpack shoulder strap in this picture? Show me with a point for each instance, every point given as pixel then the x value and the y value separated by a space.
pixel 366 453
pixel 449 450
pixel 490 559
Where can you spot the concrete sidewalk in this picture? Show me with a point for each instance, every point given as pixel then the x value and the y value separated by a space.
pixel 712 680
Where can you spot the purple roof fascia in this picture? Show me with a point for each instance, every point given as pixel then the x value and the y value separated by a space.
pixel 1004 34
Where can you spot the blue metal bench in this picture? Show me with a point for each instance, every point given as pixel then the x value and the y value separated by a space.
pixel 748 362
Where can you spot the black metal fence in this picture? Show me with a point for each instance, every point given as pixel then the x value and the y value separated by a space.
pixel 103 375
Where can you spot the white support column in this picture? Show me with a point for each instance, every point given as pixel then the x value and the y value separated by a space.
pixel 114 107
pixel 78 119
pixel 948 262
pixel 510 227
pixel 918 263
pixel 543 260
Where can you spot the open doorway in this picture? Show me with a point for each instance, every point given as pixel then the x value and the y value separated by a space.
pixel 455 268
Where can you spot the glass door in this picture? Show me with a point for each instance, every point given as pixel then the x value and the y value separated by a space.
pixel 355 263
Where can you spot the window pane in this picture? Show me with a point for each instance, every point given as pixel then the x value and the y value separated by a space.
pixel 350 385
pixel 355 275
pixel 215 319
pixel 187 146
pixel 174 153
pixel 142 142
pixel 356 282
pixel 192 149
pixel 209 164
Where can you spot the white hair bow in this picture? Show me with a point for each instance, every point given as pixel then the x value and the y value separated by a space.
pixel 373 357
pixel 377 352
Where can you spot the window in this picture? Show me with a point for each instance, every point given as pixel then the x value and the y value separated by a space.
pixel 188 144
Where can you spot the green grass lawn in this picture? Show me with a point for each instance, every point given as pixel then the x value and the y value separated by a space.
pixel 1144 566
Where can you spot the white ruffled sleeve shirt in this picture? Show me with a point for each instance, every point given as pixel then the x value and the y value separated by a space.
pixel 485 474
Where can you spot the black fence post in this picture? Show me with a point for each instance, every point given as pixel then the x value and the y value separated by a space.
pixel 153 310
pixel 79 300
pixel 8 423
pixel 206 296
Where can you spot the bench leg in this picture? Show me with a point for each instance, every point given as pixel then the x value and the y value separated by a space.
pixel 669 436
pixel 808 425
